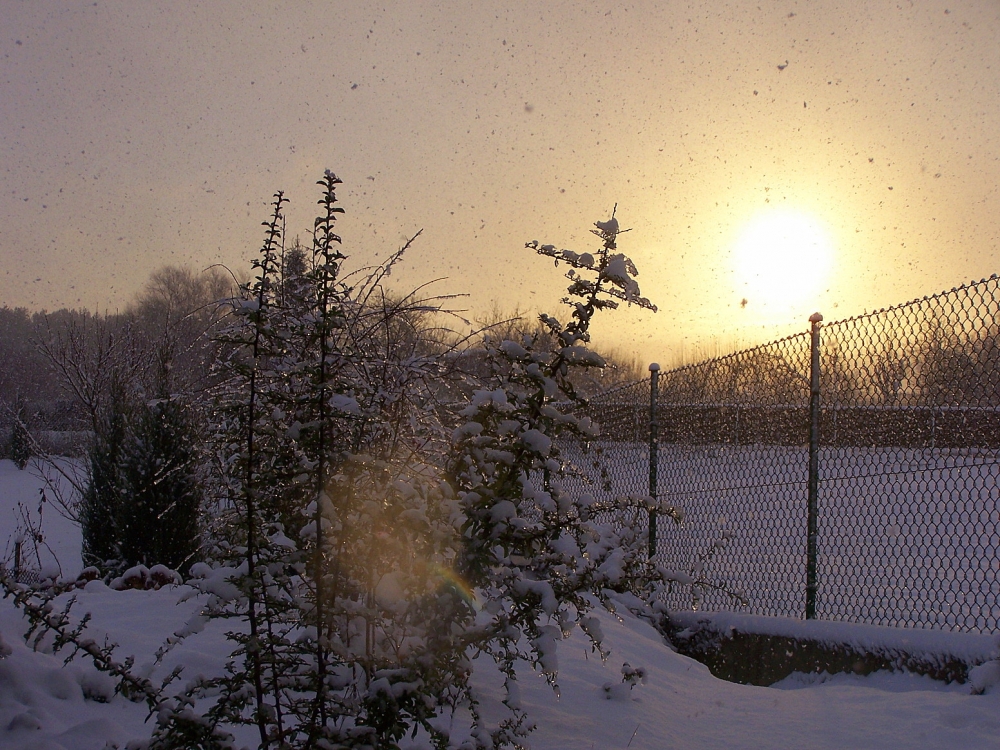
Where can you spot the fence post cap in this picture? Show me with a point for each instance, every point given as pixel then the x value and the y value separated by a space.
pixel 816 318
pixel 653 367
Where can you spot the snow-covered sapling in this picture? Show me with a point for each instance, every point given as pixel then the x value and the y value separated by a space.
pixel 539 556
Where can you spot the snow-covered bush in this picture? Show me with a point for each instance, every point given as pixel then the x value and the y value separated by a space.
pixel 335 537
pixel 538 556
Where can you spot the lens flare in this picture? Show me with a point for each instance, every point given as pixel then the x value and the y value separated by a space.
pixel 451 578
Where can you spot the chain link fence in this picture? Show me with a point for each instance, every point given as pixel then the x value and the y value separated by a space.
pixel 898 411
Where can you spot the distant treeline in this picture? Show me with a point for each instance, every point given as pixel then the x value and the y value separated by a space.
pixel 55 367
pixel 852 426
pixel 25 375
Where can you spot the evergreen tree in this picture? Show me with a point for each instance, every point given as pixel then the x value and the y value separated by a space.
pixel 20 440
pixel 157 520
pixel 103 496
pixel 142 500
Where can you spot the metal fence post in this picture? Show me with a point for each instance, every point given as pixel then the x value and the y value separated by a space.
pixel 815 321
pixel 654 376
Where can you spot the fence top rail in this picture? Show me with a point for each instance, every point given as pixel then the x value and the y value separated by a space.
pixel 837 406
pixel 664 374
pixel 914 302
pixel 734 355
pixel 959 408
pixel 601 398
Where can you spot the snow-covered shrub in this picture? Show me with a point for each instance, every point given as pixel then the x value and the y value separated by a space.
pixel 335 540
pixel 141 578
pixel 985 678
pixel 538 556
pixel 631 677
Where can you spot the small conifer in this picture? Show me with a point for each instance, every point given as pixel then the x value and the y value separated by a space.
pixel 20 441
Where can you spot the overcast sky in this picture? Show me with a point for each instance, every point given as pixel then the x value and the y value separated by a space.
pixel 133 135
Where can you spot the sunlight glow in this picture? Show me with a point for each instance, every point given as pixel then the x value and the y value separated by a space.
pixel 782 259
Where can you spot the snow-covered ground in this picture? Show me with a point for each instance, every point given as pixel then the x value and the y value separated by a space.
pixel 45 705
pixel 28 501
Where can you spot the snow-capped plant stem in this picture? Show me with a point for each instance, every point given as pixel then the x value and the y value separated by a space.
pixel 266 266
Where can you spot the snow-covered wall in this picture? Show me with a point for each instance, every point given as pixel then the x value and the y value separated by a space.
pixel 763 650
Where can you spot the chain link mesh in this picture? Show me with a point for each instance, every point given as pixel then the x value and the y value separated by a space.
pixel 908 447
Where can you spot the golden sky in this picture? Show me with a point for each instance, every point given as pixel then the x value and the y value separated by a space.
pixel 138 134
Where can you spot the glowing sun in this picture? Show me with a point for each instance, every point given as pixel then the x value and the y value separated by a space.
pixel 782 258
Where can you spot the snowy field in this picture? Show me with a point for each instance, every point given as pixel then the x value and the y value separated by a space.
pixel 22 507
pixel 45 705
pixel 906 537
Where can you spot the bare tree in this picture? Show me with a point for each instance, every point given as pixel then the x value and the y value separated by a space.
pixel 94 357
pixel 175 315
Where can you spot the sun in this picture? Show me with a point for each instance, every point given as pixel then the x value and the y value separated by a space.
pixel 782 259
